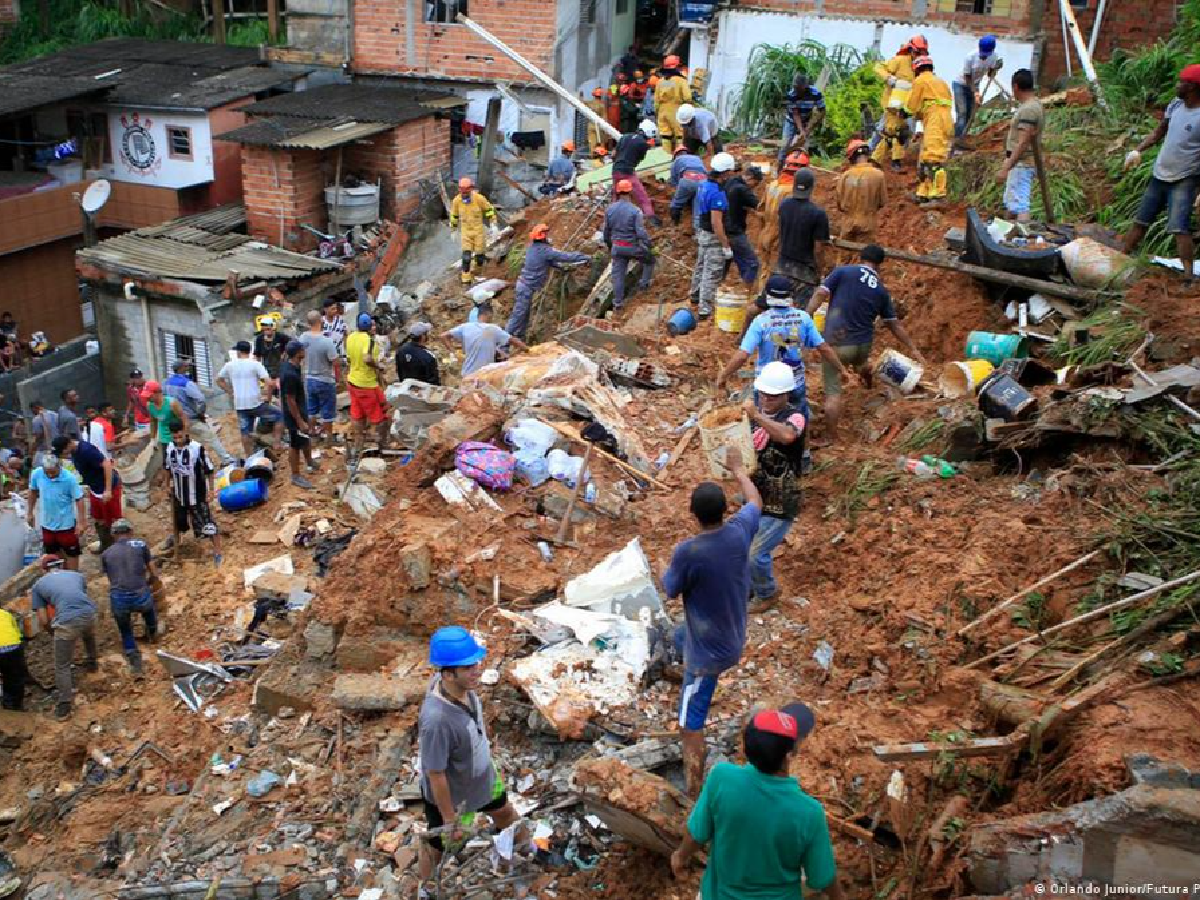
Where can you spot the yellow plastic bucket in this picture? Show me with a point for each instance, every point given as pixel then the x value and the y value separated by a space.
pixel 962 379
pixel 731 313
pixel 231 474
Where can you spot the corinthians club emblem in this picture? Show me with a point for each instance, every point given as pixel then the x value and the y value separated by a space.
pixel 137 145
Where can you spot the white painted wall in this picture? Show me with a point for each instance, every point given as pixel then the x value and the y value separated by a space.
pixel 141 153
pixel 739 32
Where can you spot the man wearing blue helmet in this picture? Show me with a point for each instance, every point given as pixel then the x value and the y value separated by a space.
pixel 458 777
pixel 967 95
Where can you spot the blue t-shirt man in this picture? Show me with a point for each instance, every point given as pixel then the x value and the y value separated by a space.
pixel 857 298
pixel 711 571
pixel 709 199
pixel 57 496
pixel 780 334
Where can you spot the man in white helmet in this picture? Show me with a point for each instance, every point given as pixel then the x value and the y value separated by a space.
pixel 699 129
pixel 778 432
pixel 713 246
pixel 631 150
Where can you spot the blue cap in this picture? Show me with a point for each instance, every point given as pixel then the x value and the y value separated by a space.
pixel 987 44
pixel 365 321
pixel 453 645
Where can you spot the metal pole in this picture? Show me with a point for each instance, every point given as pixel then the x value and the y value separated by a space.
pixel 487 152
pixel 541 76
pixel 1085 58
pixel 1096 27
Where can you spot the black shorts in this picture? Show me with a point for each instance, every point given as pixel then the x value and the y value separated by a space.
pixel 297 439
pixel 433 816
pixel 197 515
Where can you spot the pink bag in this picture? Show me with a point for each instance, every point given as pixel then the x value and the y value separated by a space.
pixel 486 464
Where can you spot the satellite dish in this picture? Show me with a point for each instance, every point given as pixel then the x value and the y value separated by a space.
pixel 95 196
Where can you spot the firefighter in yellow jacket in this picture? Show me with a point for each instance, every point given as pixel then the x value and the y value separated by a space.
pixel 671 93
pixel 898 76
pixel 930 102
pixel 475 213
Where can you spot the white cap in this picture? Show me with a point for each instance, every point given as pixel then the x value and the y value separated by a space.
pixel 724 162
pixel 648 128
pixel 685 114
pixel 775 378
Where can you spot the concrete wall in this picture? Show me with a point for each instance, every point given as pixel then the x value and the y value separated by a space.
pixel 142 153
pixel 70 367
pixel 738 32
pixel 318 25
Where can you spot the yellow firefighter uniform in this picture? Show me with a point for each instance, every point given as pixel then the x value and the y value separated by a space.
pixel 930 102
pixel 861 194
pixel 472 212
pixel 596 137
pixel 899 67
pixel 670 94
pixel 768 235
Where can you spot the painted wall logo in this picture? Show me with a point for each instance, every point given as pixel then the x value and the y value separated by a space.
pixel 138 150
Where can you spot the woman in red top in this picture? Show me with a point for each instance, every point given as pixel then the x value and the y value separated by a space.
pixel 136 413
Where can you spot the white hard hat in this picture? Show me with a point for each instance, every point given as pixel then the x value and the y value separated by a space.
pixel 685 114
pixel 648 128
pixel 775 378
pixel 724 162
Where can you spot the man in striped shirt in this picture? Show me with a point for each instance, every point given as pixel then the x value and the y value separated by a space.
pixel 189 467
pixel 333 326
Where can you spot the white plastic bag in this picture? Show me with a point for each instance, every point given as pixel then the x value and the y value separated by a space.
pixel 564 467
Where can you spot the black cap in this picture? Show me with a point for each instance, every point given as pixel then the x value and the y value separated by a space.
pixel 802 183
pixel 242 346
pixel 136 373
pixel 59 444
pixel 293 347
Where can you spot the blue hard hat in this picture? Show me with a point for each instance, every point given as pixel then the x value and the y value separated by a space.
pixel 365 321
pixel 987 44
pixel 453 645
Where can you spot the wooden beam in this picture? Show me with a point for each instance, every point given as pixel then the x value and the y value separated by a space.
pixel 1037 285
pixel 1041 582
pixel 631 469
pixel 1039 163
pixel 272 21
pixel 292 56
pixel 487 152
pixel 218 23
pixel 931 749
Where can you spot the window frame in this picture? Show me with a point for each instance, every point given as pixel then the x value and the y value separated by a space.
pixel 171 153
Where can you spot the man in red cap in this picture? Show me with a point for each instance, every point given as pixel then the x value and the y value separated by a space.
pixel 627 240
pixel 1176 177
pixel 766 836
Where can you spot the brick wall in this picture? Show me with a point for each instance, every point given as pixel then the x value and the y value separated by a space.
pixel 451 51
pixel 399 159
pixel 283 189
pixel 1127 25
pixel 10 12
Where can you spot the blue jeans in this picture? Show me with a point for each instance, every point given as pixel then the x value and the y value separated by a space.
pixel 1018 190
pixel 1176 197
pixel 744 258
pixel 877 134
pixel 264 411
pixel 322 399
pixel 685 194
pixel 964 105
pixel 124 604
pixel 771 532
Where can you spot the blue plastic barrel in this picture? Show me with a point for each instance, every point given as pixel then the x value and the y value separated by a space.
pixel 682 321
pixel 996 348
pixel 243 495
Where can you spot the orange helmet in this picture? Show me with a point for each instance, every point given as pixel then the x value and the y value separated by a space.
pixel 671 62
pixel 624 187
pixel 597 93
pixel 539 232
pixel 600 150
pixel 796 160
pixel 918 44
pixel 568 146
pixel 856 146
pixel 922 62
pixel 639 74
pixel 465 184
pixel 653 81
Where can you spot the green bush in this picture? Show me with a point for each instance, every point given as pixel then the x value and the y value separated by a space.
pixel 843 116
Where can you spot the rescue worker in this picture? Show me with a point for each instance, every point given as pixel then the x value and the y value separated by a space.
pixel 612 104
pixel 712 243
pixel 648 99
pixel 898 74
pixel 627 240
pixel 671 93
pixel 631 150
pixel 638 89
pixel 930 102
pixel 596 135
pixel 599 156
pixel 861 194
pixel 687 174
pixel 777 191
pixel 630 109
pixel 560 174
pixel 540 257
pixel 699 130
pixel 804 111
pixel 475 213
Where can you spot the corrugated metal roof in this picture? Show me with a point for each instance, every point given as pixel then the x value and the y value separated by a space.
pixel 309 134
pixel 360 102
pixel 202 248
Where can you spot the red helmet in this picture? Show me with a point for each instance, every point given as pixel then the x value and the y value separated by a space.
pixel 918 44
pixel 624 187
pixel 856 146
pixel 671 62
pixel 625 89
pixel 797 159
pixel 922 62
pixel 539 232
pixel 597 93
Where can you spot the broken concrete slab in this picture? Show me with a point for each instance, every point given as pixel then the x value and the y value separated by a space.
pixel 279 587
pixel 281 564
pixel 1143 835
pixel 372 465
pixel 622 584
pixel 641 807
pixel 320 640
pixel 377 692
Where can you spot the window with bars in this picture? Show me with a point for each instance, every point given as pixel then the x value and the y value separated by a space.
pixel 999 8
pixel 183 346
pixel 445 12
pixel 587 12
pixel 179 142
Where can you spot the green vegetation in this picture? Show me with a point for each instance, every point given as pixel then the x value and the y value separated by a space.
pixel 1116 335
pixel 74 22
pixel 871 481
pixel 759 107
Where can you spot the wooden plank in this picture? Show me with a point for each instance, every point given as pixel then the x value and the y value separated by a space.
pixel 931 749
pixel 304 57
pixel 1041 582
pixel 1037 285
pixel 686 440
pixel 632 470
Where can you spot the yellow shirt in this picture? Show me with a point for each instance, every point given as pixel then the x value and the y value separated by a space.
pixel 361 375
pixel 10 632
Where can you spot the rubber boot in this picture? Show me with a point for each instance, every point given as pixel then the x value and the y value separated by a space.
pixel 104 532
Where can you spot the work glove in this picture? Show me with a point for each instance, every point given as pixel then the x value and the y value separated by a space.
pixel 727 252
pixel 1132 158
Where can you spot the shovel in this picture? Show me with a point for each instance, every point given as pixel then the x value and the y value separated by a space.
pixel 560 537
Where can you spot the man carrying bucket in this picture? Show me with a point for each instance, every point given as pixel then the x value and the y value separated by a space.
pixel 856 298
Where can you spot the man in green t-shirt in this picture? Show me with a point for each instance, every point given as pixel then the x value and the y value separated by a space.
pixel 766 835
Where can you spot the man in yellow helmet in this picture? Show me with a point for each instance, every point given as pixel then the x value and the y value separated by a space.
pixel 898 76
pixel 671 93
pixel 474 212
pixel 930 102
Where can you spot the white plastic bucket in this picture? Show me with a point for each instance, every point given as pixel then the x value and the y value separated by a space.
pixel 717 433
pixel 898 371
